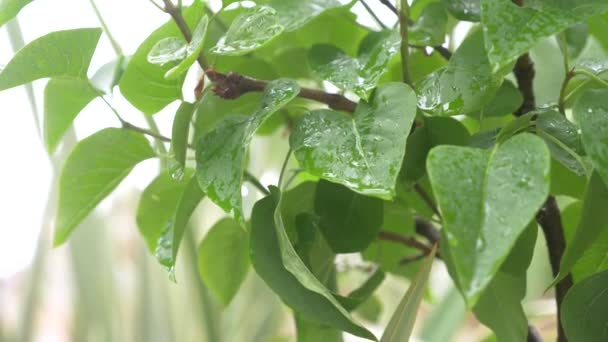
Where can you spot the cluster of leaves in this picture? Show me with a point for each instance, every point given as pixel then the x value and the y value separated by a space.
pixel 370 174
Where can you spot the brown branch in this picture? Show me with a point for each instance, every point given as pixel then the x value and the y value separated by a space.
pixel 128 125
pixel 404 240
pixel 442 50
pixel 533 335
pixel 234 85
pixel 549 219
pixel 426 229
pixel 390 6
pixel 524 74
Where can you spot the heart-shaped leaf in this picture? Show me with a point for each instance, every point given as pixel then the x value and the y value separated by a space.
pixel 429 28
pixel 294 14
pixel 469 10
pixel 276 262
pixel 363 152
pixel 464 85
pixel 511 30
pixel 57 54
pixel 357 74
pixel 94 168
pixel 249 31
pixel 486 199
pixel 220 154
pixel 585 309
pixel 591 112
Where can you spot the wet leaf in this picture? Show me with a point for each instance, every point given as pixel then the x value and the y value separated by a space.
pixel 469 10
pixel 94 168
pixel 65 54
pixel 363 152
pixel 429 29
pixel 464 85
pixel 486 199
pixel 220 154
pixel 360 74
pixel 591 112
pixel 511 30
pixel 179 139
pixel 294 14
pixel 143 84
pixel 250 30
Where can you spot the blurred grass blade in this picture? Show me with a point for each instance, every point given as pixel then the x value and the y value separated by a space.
pixel 401 324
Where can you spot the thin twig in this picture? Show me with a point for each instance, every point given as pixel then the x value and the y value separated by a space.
pixel 373 14
pixel 283 168
pixel 427 199
pixel 562 91
pixel 389 5
pixel 404 240
pixel 105 28
pixel 234 85
pixel 442 50
pixel 255 182
pixel 130 126
pixel 405 49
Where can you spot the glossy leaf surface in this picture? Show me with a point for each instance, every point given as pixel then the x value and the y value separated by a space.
pixel 363 152
pixel 486 199
pixel 220 154
pixel 179 139
pixel 143 84
pixel 591 112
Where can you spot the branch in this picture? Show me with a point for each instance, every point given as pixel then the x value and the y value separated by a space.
pixel 524 73
pixel 426 229
pixel 373 14
pixel 442 50
pixel 405 49
pixel 404 240
pixel 549 219
pixel 390 6
pixel 234 85
pixel 427 199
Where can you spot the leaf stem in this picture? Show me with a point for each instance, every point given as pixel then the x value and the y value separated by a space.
pixel 373 14
pixel 404 240
pixel 562 92
pixel 113 41
pixel 255 182
pixel 283 168
pixel 405 49
pixel 389 5
pixel 154 128
pixel 427 199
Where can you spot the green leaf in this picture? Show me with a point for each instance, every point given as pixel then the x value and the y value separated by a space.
pixel 370 310
pixel 486 199
pixel 171 236
pixel 349 221
pixel 296 201
pixel 57 54
pixel 464 85
pixel 511 30
pixel 10 8
pixel 503 296
pixel 363 152
pixel 434 131
pixel 220 154
pixel 168 50
pixel 591 112
pixel 250 30
pixel 400 326
pixel 179 139
pixel 576 39
pixel 361 294
pixel 593 222
pixel 294 14
pixel 193 49
pixel 94 168
pixel 598 26
pixel 108 76
pixel 144 84
pixel 64 98
pixel 570 183
pixel 357 74
pixel 157 206
pixel 275 260
pixel 563 140
pixel 469 10
pixel 430 28
pixel 223 260
pixel 506 101
pixel 585 309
